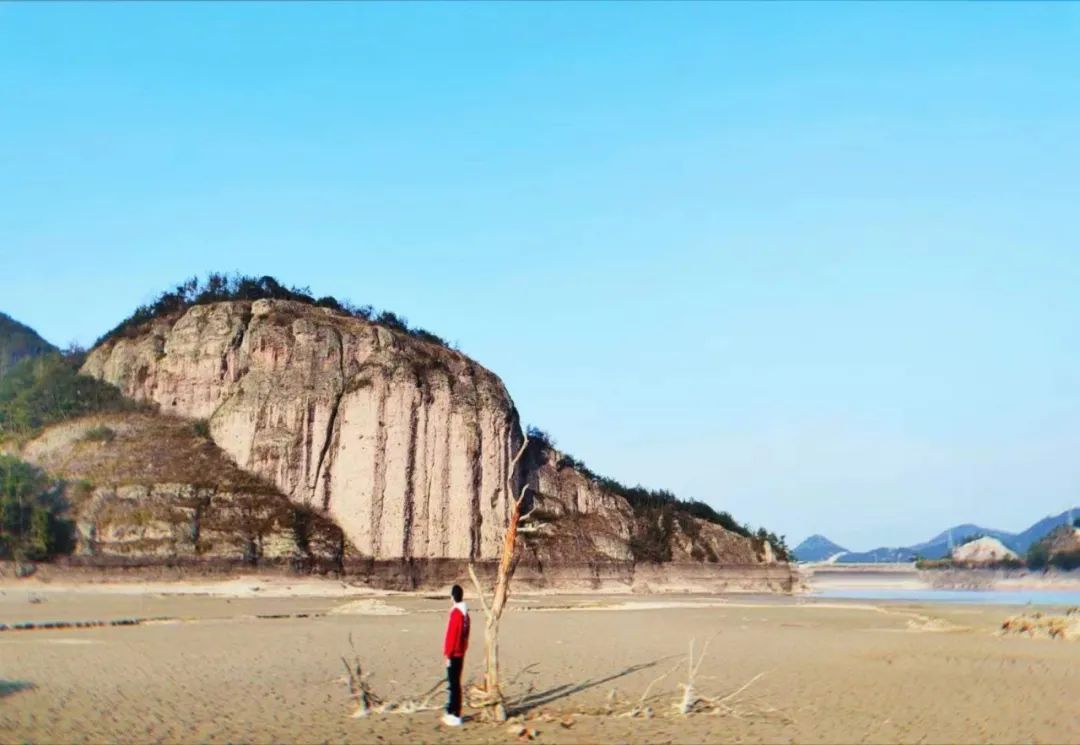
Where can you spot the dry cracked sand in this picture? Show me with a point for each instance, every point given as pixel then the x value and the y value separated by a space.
pixel 245 666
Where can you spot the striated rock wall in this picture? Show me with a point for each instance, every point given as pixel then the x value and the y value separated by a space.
pixel 402 442
pixel 183 523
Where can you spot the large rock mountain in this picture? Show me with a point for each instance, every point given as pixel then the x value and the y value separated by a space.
pixel 403 442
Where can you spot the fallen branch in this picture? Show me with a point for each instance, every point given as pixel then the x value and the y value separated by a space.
pixel 641 709
pixel 368 702
pixel 359 690
pixel 741 688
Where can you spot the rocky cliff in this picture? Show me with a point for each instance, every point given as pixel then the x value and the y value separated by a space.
pixel 145 489
pixel 404 443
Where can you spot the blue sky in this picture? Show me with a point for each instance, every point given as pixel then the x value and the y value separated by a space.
pixel 814 264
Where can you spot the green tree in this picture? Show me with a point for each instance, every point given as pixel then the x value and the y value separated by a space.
pixel 1038 555
pixel 32 507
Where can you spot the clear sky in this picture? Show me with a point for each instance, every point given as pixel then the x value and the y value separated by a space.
pixel 818 265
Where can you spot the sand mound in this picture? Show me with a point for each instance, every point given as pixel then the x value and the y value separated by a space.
pixel 1039 625
pixel 983 550
pixel 932 625
pixel 367 607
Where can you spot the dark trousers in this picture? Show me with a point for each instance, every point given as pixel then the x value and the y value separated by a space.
pixel 453 678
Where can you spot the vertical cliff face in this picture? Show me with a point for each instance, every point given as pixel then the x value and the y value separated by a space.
pixel 403 442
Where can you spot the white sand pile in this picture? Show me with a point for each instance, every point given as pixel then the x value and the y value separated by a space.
pixel 985 550
pixel 367 607
pixel 924 624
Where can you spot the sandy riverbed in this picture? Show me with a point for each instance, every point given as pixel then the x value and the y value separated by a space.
pixel 251 665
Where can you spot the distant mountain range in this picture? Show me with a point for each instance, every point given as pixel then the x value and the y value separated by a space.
pixel 820 548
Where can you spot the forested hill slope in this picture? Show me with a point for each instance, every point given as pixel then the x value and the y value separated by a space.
pixel 17 342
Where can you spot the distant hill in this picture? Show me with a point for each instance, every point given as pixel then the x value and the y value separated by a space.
pixel 961 532
pixel 18 342
pixel 939 547
pixel 1022 541
pixel 817 548
pixel 882 555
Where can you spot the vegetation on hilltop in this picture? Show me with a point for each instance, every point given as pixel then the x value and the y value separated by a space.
pixel 218 287
pixel 43 390
pixel 659 510
pixel 1059 549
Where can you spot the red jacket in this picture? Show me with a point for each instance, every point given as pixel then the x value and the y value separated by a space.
pixel 457 632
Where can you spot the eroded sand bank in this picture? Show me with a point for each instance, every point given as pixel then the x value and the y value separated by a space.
pixel 242 666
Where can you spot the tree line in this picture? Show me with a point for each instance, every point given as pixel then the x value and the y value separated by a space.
pixel 659 510
pixel 219 287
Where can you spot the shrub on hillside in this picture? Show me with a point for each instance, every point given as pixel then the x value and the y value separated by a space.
pixel 1008 562
pixel 99 434
pixel 651 540
pixel 1038 556
pixel 540 439
pixel 201 428
pixel 1066 560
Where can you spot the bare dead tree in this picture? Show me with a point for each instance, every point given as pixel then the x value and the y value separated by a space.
pixel 490 694
pixel 690 696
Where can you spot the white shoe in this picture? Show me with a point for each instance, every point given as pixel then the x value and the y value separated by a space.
pixel 450 720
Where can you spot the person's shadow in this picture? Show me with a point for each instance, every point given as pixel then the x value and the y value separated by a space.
pixel 534 699
pixel 8 687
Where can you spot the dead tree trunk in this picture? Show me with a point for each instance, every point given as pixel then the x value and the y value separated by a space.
pixel 491 695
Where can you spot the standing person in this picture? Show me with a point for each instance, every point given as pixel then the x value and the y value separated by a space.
pixel 454 646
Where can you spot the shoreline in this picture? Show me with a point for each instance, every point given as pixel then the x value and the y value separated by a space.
pixel 415 577
pixel 808 581
pixel 907 577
